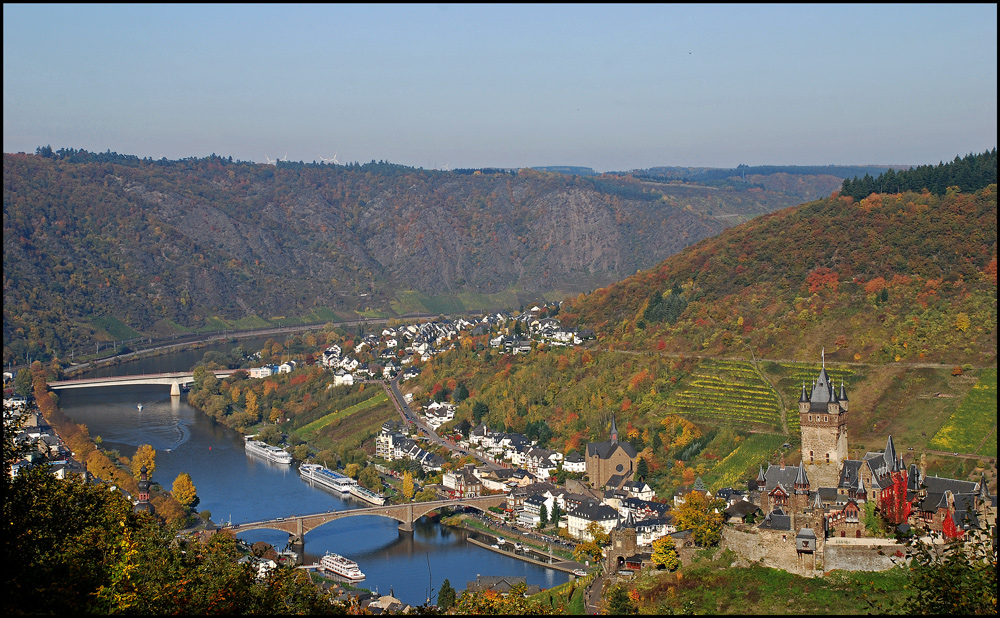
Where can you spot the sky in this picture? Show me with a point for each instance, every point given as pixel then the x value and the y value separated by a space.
pixel 611 87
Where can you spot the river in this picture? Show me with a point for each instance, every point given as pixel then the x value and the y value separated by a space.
pixel 236 487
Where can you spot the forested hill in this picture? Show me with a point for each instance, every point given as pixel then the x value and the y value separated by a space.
pixel 901 277
pixel 967 174
pixel 102 246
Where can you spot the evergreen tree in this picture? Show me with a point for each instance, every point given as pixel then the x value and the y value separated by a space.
pixel 446 596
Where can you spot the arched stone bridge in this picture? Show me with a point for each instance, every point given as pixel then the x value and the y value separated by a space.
pixel 297 526
pixel 175 380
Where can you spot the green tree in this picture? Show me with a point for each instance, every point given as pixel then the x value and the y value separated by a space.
pixel 543 516
pixel 446 596
pixel 370 478
pixel 184 490
pixel 641 470
pixel 556 514
pixel 23 382
pixel 425 495
pixel 958 578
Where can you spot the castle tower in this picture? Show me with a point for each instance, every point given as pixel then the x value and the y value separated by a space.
pixel 823 422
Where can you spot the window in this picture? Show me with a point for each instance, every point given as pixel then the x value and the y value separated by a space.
pixel 828 458
pixel 810 417
pixel 826 418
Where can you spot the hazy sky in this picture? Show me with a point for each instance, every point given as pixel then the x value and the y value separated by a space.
pixel 611 87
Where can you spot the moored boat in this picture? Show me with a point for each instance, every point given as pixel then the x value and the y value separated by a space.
pixel 326 477
pixel 339 565
pixel 367 495
pixel 268 452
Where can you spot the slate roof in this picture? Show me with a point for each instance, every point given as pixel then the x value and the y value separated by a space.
pixel 776 520
pixel 605 449
pixel 783 475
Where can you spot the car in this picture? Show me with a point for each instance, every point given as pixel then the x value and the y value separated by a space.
pixel 579 572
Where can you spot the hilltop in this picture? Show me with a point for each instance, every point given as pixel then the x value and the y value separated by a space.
pixel 896 277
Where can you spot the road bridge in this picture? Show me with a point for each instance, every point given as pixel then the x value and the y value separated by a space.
pixel 298 525
pixel 175 380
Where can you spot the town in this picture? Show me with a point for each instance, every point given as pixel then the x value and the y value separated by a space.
pixel 594 506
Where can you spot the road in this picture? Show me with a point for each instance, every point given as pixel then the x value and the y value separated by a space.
pixel 409 416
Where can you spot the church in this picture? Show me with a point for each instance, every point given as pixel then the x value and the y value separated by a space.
pixel 610 464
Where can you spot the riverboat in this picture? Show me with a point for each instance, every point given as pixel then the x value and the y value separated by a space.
pixel 339 565
pixel 367 495
pixel 326 477
pixel 268 452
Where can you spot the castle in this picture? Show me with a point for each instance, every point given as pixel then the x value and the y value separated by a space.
pixel 825 496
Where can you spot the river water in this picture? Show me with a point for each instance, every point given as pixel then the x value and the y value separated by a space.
pixel 239 488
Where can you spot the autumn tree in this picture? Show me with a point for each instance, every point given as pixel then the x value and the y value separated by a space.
pixel 665 553
pixel 408 488
pixel 894 506
pixel 702 516
pixel 184 490
pixel 618 601
pixel 493 603
pixel 145 455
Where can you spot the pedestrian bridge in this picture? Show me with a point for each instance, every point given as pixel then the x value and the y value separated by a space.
pixel 174 380
pixel 297 526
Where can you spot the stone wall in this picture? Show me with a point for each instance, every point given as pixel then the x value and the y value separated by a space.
pixel 771 548
pixel 776 549
pixel 861 557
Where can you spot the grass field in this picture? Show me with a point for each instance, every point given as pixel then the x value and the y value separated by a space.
pixel 975 418
pixel 115 328
pixel 716 587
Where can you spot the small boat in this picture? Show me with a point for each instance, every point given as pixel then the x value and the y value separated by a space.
pixel 140 407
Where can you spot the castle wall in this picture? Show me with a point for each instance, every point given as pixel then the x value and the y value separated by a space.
pixel 861 557
pixel 768 548
pixel 771 548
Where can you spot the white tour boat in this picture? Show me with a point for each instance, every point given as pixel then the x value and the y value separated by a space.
pixel 326 477
pixel 367 495
pixel 268 452
pixel 339 565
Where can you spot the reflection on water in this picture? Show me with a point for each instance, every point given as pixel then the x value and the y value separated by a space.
pixel 240 488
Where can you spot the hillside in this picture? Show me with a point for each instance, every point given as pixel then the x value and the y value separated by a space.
pixel 903 277
pixel 102 247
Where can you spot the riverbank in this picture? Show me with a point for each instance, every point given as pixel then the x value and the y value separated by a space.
pixel 564 566
pixel 554 547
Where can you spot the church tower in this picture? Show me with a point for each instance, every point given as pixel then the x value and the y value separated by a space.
pixel 143 503
pixel 823 422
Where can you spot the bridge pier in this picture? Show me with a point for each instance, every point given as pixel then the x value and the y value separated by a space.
pixel 297 541
pixel 175 389
pixel 298 545
pixel 407 525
